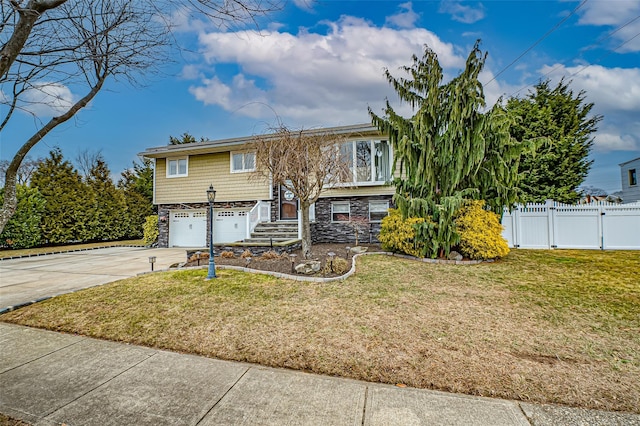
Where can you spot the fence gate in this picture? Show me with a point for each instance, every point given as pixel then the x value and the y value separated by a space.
pixel 590 226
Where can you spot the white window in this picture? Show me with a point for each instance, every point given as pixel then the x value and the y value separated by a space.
pixel 243 162
pixel 177 167
pixel 367 161
pixel 340 212
pixel 378 210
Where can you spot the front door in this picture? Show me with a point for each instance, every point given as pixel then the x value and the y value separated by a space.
pixel 288 205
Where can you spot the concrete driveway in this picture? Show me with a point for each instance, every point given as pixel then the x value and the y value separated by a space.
pixel 34 278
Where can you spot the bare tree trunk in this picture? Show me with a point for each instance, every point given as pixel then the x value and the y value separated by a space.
pixel 306 230
pixel 10 198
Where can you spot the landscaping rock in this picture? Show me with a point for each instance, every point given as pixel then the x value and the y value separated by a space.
pixel 454 255
pixel 358 249
pixel 309 267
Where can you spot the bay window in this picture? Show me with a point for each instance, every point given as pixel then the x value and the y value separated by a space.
pixel 367 161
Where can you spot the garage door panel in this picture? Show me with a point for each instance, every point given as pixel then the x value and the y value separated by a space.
pixel 188 229
pixel 230 226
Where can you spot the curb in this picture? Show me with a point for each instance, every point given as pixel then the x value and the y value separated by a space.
pixel 65 251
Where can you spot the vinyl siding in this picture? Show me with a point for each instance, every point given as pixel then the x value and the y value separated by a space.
pixel 204 170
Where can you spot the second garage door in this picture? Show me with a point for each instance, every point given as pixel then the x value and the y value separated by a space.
pixel 230 226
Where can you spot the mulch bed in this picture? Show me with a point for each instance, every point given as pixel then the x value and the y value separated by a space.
pixel 283 265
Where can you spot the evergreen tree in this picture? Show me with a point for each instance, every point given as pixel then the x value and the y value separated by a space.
pixel 136 185
pixel 185 138
pixel 449 150
pixel 66 197
pixel 561 124
pixel 108 208
pixel 23 229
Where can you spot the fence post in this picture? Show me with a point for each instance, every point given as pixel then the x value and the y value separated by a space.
pixel 551 211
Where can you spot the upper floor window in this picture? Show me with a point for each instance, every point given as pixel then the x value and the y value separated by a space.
pixel 633 177
pixel 243 162
pixel 177 166
pixel 367 161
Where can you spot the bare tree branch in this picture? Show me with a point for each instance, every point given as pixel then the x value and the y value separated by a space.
pixel 304 162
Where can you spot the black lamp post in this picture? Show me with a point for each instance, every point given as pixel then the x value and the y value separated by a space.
pixel 211 196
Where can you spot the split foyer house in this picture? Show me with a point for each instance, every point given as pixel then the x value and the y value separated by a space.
pixel 184 172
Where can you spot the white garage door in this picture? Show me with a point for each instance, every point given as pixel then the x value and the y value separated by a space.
pixel 230 226
pixel 188 228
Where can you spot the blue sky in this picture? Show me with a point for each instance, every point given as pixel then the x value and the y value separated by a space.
pixel 316 64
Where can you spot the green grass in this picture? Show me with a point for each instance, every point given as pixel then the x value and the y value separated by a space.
pixel 70 247
pixel 543 326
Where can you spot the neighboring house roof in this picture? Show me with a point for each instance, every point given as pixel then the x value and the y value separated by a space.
pixel 630 161
pixel 222 145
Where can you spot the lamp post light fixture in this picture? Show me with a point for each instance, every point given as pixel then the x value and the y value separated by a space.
pixel 152 260
pixel 211 197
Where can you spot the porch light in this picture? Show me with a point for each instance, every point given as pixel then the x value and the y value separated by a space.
pixel 211 197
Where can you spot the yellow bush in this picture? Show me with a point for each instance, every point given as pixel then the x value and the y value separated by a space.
pixel 480 232
pixel 398 235
pixel 150 230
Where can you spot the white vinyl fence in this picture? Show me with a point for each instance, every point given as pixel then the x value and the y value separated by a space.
pixel 587 226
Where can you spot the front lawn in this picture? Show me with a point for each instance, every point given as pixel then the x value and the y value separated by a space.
pixel 541 326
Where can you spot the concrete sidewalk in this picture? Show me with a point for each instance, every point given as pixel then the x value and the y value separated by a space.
pixel 51 378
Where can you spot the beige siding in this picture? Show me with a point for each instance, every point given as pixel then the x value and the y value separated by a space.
pixel 204 170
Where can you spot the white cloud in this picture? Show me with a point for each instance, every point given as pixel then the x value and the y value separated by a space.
pixel 462 13
pixel 47 99
pixel 610 89
pixel 190 72
pixel 615 93
pixel 304 4
pixel 605 141
pixel 309 77
pixel 405 19
pixel 619 15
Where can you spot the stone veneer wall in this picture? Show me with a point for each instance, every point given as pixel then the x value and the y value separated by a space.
pixel 164 215
pixel 323 230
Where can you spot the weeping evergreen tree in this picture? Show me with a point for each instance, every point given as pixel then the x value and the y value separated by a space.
pixel 449 150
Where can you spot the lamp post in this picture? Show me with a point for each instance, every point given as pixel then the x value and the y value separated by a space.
pixel 211 197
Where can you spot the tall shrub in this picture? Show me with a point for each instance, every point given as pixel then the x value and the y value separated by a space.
pixel 23 229
pixel 450 149
pixel 151 231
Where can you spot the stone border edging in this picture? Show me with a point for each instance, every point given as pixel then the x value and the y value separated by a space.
pixel 325 280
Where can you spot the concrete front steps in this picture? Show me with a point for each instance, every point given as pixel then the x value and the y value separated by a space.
pixel 274 232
